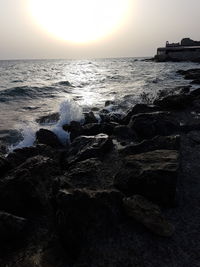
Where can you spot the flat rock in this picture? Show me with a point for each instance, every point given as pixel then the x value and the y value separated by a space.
pixel 151 174
pixel 148 214
pixel 148 125
pixel 171 142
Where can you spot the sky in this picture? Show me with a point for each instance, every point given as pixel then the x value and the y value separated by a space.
pixel 148 24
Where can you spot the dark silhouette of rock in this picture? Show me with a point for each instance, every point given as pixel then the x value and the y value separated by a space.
pixel 90 118
pixel 123 132
pixel 74 128
pixel 138 109
pixel 85 147
pixel 11 227
pixel 148 125
pixel 151 174
pixel 148 214
pixel 54 117
pixel 174 102
pixel 46 137
pixel 83 216
pixel 156 143
pixel 4 166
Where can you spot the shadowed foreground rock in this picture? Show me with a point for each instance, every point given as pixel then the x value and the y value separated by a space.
pixel 148 214
pixel 152 175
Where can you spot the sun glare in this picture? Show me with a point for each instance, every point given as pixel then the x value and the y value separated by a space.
pixel 80 21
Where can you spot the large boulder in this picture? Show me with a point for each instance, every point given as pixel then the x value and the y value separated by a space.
pixel 138 109
pixel 151 174
pixel 174 102
pixel 85 216
pixel 74 128
pixel 148 214
pixel 90 118
pixel 11 227
pixel 85 147
pixel 46 137
pixel 28 188
pixel 158 142
pixel 148 125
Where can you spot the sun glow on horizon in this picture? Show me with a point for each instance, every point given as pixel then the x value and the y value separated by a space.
pixel 80 21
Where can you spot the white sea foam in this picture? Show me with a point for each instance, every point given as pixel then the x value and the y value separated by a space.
pixel 69 111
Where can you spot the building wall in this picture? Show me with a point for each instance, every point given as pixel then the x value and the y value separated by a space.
pixel 178 55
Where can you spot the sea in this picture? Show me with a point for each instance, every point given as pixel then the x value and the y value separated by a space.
pixel 30 89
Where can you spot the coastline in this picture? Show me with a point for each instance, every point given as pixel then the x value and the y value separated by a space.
pixel 79 202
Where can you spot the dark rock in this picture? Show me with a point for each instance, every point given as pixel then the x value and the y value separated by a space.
pixel 148 214
pixel 75 129
pixel 84 174
pixel 156 143
pixel 152 175
pixel 50 118
pixel 91 129
pixel 11 227
pixel 85 147
pixel 20 155
pixel 107 116
pixel 90 118
pixel 46 137
pixel 27 189
pixel 174 102
pixel 123 131
pixel 148 125
pixel 84 216
pixel 195 93
pixel 109 102
pixel 4 166
pixel 138 109
pixel 3 148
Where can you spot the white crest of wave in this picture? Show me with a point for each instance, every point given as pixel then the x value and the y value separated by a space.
pixel 69 111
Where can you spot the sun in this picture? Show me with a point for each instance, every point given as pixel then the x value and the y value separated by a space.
pixel 80 21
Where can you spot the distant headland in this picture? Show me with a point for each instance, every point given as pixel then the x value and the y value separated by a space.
pixel 186 50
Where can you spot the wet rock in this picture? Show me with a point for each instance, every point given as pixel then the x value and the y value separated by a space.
pixel 50 118
pixel 109 102
pixel 148 125
pixel 75 129
pixel 148 214
pixel 174 102
pixel 151 174
pixel 4 166
pixel 83 216
pixel 107 116
pixel 138 109
pixel 90 118
pixel 11 227
pixel 26 190
pixel 195 93
pixel 85 147
pixel 156 143
pixel 46 137
pixel 91 129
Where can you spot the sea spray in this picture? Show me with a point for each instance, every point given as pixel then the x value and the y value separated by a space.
pixel 69 111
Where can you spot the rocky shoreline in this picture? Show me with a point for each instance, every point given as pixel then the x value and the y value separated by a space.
pixel 123 192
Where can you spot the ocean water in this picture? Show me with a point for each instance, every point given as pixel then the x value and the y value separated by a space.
pixel 30 89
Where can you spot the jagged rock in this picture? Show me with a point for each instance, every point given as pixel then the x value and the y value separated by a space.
pixel 26 190
pixel 138 109
pixel 148 214
pixel 4 166
pixel 96 128
pixel 195 93
pixel 84 174
pixel 109 102
pixel 46 137
pixel 156 143
pixel 54 117
pixel 11 227
pixel 107 116
pixel 85 147
pixel 75 129
pixel 148 125
pixel 83 216
pixel 174 102
pixel 151 174
pixel 90 118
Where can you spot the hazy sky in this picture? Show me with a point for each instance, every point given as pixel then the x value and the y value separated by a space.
pixel 150 24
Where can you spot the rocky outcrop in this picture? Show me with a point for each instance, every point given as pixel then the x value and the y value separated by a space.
pixel 151 174
pixel 46 137
pixel 148 214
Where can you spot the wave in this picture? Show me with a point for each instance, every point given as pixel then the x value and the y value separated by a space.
pixel 68 111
